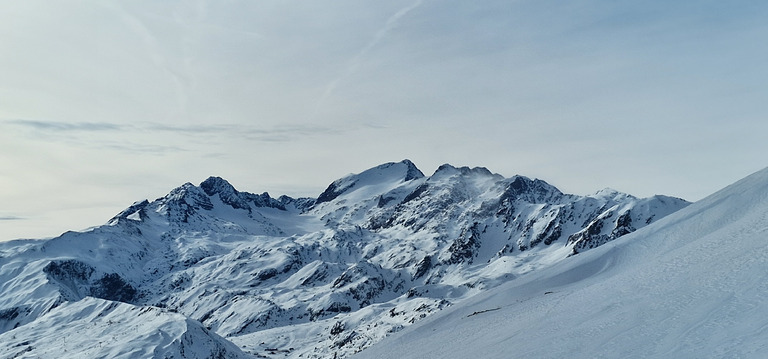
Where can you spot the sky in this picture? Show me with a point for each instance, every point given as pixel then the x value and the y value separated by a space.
pixel 108 102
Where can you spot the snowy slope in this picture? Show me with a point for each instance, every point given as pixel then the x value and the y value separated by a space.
pixel 313 277
pixel 96 328
pixel 693 285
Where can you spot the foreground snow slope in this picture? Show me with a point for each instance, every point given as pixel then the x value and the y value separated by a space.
pixel 692 285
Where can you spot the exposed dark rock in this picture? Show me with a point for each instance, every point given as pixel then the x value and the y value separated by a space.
pixel 113 287
pixel 412 172
pixel 422 267
pixel 337 328
pixel 623 225
pixel 333 308
pixel 267 273
pixel 531 191
pixel 76 280
pixel 235 199
pixel 139 207
pixel 346 340
pixel 332 192
pixel 463 248
pixel 68 270
pixel 317 277
pixel 227 193
pixel 383 201
pixel 183 202
pixel 366 291
pixel 263 200
pixel 9 314
pixel 301 204
pixel 550 234
pixel 416 193
pixel 592 237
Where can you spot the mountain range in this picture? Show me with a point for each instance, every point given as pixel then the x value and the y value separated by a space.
pixel 208 271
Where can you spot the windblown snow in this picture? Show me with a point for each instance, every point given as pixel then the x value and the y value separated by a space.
pixel 209 271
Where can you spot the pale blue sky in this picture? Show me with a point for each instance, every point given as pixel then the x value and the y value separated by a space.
pixel 106 102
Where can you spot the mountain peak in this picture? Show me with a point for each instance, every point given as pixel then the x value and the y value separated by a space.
pixel 449 170
pixel 386 174
pixel 412 172
pixel 213 185
pixel 227 193
pixel 532 190
pixel 181 193
pixel 610 193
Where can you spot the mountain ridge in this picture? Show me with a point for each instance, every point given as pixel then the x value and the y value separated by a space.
pixel 384 248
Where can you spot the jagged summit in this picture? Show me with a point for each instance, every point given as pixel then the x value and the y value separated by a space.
pixel 217 185
pixel 447 170
pixel 530 190
pixel 227 193
pixel 412 172
pixel 205 205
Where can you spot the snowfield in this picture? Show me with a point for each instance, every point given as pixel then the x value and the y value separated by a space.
pixel 692 285
pixel 210 271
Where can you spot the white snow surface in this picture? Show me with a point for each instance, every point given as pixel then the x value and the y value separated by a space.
pixel 692 285
pixel 96 328
pixel 208 271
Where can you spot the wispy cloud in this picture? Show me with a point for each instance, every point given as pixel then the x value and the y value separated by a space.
pixel 160 138
pixel 141 148
pixel 287 131
pixel 64 126
pixel 281 133
pixel 188 129
pixel 11 218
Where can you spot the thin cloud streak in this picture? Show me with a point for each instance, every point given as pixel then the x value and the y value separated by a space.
pixel 11 218
pixel 139 139
pixel 141 148
pixel 280 133
pixel 64 126
pixel 354 64
pixel 243 130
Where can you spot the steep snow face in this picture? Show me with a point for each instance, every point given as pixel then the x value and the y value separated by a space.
pixel 349 199
pixel 377 180
pixel 313 278
pixel 692 285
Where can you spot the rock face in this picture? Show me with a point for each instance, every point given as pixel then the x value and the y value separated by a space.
pixel 322 277
pixel 78 280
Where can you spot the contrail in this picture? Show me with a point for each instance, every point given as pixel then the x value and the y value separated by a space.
pixel 154 47
pixel 354 64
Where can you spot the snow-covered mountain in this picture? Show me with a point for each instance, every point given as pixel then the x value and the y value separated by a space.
pixel 692 285
pixel 252 275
